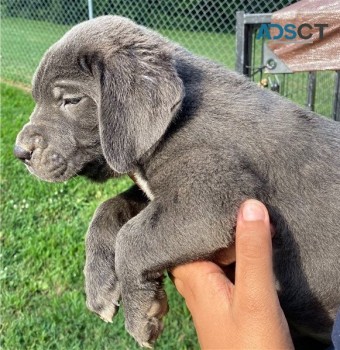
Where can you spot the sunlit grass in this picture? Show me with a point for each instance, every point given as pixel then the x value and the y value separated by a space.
pixel 25 41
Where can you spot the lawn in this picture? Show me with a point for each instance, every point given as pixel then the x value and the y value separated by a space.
pixel 25 41
pixel 23 44
pixel 42 256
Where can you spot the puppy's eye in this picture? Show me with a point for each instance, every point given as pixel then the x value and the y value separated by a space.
pixel 71 101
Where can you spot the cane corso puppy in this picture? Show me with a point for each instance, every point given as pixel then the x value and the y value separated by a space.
pixel 113 97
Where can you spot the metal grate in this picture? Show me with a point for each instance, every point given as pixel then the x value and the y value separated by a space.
pixel 317 91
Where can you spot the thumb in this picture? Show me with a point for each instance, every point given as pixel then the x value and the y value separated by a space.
pixel 254 277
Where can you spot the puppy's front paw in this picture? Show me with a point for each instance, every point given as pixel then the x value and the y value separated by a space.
pixel 144 311
pixel 102 290
pixel 105 303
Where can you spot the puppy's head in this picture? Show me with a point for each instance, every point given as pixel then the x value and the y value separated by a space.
pixel 105 94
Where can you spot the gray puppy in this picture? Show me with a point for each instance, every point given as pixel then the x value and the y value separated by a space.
pixel 114 97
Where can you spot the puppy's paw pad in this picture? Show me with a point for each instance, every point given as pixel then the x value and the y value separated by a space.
pixel 107 313
pixel 105 305
pixel 148 332
pixel 104 300
pixel 158 308
pixel 144 308
pixel 147 345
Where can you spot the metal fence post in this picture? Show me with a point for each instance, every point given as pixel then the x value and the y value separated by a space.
pixel 336 103
pixel 90 7
pixel 240 42
pixel 310 104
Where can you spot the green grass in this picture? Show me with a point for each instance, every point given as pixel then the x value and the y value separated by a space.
pixel 42 255
pixel 25 41
pixel 215 46
pixel 23 44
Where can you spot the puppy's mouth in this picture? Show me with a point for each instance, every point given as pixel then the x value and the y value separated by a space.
pixel 96 170
pixel 58 174
pixel 48 166
pixel 28 163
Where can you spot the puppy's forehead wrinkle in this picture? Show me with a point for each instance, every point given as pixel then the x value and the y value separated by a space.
pixel 67 87
pixel 45 76
pixel 39 77
pixel 101 38
pixel 67 84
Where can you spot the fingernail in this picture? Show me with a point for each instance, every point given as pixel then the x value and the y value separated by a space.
pixel 253 211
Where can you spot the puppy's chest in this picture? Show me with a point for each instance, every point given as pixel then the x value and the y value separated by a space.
pixel 140 180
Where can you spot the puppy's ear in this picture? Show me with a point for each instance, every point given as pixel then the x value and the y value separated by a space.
pixel 140 94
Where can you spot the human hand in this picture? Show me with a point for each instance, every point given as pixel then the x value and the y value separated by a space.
pixel 244 315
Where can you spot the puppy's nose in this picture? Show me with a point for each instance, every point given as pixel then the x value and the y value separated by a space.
pixel 21 153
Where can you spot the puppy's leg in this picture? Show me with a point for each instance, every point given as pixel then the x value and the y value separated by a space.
pixel 159 238
pixel 101 284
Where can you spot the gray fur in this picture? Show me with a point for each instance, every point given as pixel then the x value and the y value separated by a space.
pixel 203 139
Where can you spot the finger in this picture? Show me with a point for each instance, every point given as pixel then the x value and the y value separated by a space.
pixel 193 269
pixel 190 277
pixel 208 296
pixel 254 280
pixel 203 285
pixel 227 256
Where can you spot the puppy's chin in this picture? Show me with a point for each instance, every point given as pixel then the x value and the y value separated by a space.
pixel 97 170
pixel 58 176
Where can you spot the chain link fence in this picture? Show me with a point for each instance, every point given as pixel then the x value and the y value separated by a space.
pixel 205 27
